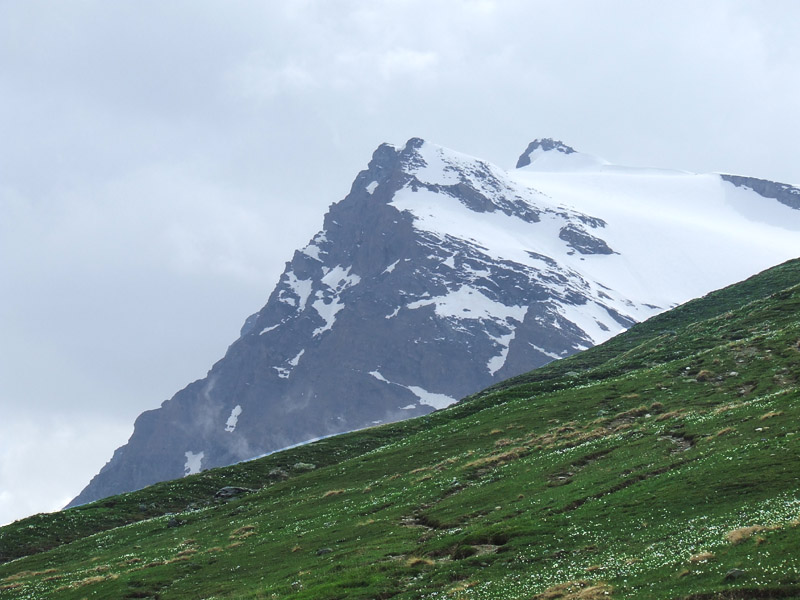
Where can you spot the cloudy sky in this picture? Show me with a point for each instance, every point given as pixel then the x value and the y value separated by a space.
pixel 159 161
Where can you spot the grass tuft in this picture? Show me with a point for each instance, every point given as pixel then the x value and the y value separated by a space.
pixel 702 557
pixel 737 536
pixel 575 590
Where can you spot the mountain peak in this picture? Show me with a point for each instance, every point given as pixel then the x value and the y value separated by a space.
pixel 545 145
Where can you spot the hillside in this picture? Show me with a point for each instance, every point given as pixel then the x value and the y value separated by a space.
pixel 661 464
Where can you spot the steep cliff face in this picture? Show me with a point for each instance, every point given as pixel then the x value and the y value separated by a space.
pixel 438 275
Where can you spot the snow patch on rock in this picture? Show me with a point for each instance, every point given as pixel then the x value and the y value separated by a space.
pixel 541 350
pixel 468 302
pixel 339 279
pixel 285 372
pixel 437 401
pixel 377 375
pixel 326 310
pixel 296 359
pixel 233 419
pixel 496 362
pixel 433 399
pixel 193 463
pixel 593 319
pixel 299 287
pixel 313 251
pixel 328 303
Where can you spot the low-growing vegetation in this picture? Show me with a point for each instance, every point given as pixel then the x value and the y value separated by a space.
pixel 660 465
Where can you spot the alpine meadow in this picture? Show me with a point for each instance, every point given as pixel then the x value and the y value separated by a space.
pixel 660 464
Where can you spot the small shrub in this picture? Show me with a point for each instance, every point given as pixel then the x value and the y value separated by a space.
pixel 242 530
pixel 461 587
pixel 20 575
pixel 155 563
pixel 702 557
pixel 674 414
pixel 576 590
pixel 639 411
pixel 99 569
pixel 769 415
pixel 498 459
pixel 93 579
pixel 737 536
pixel 726 407
pixel 332 493
pixel 704 375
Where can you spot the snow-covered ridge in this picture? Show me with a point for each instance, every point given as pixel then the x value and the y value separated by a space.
pixel 503 222
pixel 660 225
pixel 678 235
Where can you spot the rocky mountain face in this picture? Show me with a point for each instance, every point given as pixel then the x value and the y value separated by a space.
pixel 783 193
pixel 438 275
pixel 539 147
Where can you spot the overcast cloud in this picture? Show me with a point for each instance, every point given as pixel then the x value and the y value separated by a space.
pixel 159 162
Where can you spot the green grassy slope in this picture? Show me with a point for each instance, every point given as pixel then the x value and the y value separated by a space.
pixel 662 464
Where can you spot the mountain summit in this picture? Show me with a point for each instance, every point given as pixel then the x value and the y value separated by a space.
pixel 438 275
pixel 548 154
pixel 543 145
